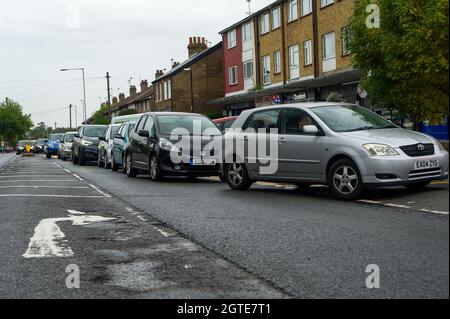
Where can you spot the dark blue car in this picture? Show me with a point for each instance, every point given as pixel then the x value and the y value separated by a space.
pixel 120 145
pixel 52 146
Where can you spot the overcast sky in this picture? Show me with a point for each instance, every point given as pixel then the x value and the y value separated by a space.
pixel 129 39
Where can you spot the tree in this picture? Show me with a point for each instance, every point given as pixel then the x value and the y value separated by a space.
pixel 99 117
pixel 13 123
pixel 127 112
pixel 404 63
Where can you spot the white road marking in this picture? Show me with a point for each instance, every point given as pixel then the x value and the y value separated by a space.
pixel 434 212
pixel 39 186
pixel 98 190
pixel 391 205
pixel 78 177
pixel 162 232
pixel 56 196
pixel 397 206
pixel 15 176
pixel 369 201
pixel 39 180
pixel 141 218
pixel 48 239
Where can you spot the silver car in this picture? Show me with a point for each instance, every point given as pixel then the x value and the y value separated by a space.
pixel 345 146
pixel 65 147
pixel 106 145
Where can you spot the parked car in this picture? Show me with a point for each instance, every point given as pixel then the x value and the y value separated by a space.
pixel 132 118
pixel 40 145
pixel 345 146
pixel 225 123
pixel 52 146
pixel 65 147
pixel 121 143
pixel 85 143
pixel 151 146
pixel 20 147
pixel 105 146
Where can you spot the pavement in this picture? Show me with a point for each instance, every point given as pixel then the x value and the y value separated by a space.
pixel 275 240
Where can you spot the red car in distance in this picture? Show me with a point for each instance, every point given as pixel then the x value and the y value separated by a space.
pixel 225 122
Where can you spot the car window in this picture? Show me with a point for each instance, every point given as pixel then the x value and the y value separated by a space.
pixel 68 138
pixel 114 131
pixel 263 120
pixel 293 121
pixel 55 137
pixel 130 128
pixel 228 124
pixel 94 131
pixel 141 124
pixel 169 123
pixel 121 129
pixel 149 124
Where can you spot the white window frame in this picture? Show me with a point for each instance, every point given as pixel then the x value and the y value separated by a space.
pixel 276 18
pixel 345 32
pixel 265 23
pixel 169 90
pixel 307 52
pixel 292 10
pixel 165 91
pixel 324 47
pixel 245 68
pixel 309 7
pixel 324 3
pixel 266 72
pixel 156 93
pixel 247 32
pixel 160 92
pixel 294 63
pixel 277 62
pixel 231 36
pixel 233 72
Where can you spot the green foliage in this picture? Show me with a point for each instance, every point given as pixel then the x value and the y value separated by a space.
pixel 99 117
pixel 127 112
pixel 404 63
pixel 215 115
pixel 13 123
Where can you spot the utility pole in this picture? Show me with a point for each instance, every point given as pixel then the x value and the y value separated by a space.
pixel 70 115
pixel 109 95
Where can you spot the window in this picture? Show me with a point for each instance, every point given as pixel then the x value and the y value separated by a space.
pixel 308 52
pixel 293 122
pixel 231 39
pixel 247 32
pixel 277 61
pixel 265 23
pixel 248 70
pixel 233 75
pixel 346 38
pixel 294 62
pixel 156 94
pixel 324 3
pixel 292 10
pixel 165 91
pixel 169 89
pixel 160 92
pixel 149 124
pixel 276 18
pixel 266 70
pixel 263 120
pixel 329 49
pixel 306 7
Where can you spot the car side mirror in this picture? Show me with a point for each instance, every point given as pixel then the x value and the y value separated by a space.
pixel 310 130
pixel 144 133
pixel 102 138
pixel 77 135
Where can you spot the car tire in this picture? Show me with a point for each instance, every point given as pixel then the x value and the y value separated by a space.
pixel 302 186
pixel 64 158
pixel 345 180
pixel 100 164
pixel 222 178
pixel 114 166
pixel 154 169
pixel 417 186
pixel 106 164
pixel 81 160
pixel 130 171
pixel 236 176
pixel 48 155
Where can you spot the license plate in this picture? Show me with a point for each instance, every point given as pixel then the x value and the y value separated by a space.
pixel 203 162
pixel 426 164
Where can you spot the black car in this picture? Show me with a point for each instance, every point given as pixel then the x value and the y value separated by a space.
pixel 154 140
pixel 85 143
pixel 120 145
pixel 40 145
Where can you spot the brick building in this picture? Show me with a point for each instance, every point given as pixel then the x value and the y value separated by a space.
pixel 189 85
pixel 298 53
pixel 141 102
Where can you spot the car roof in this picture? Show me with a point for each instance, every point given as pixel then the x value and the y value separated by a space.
pixel 303 105
pixel 173 114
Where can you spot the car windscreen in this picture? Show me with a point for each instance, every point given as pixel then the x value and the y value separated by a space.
pixel 41 141
pixel 94 131
pixel 69 138
pixel 55 137
pixel 349 118
pixel 169 123
pixel 23 143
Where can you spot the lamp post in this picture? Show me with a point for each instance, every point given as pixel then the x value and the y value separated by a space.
pixel 84 89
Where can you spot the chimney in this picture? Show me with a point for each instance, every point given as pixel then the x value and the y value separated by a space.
pixel 196 45
pixel 175 64
pixel 133 90
pixel 121 97
pixel 158 74
pixel 114 100
pixel 144 85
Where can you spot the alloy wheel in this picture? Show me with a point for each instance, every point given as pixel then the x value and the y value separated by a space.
pixel 345 180
pixel 235 173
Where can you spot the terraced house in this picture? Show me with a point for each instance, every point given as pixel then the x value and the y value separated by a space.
pixel 290 51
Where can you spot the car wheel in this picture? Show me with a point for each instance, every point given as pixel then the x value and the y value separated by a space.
pixel 75 159
pixel 345 180
pixel 303 185
pixel 236 176
pixel 48 155
pixel 81 160
pixel 114 166
pixel 222 178
pixel 99 161
pixel 130 171
pixel 155 169
pixel 106 165
pixel 417 186
pixel 64 158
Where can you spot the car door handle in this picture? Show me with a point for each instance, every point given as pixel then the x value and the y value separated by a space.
pixel 282 140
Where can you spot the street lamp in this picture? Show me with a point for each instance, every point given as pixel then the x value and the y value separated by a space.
pixel 84 89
